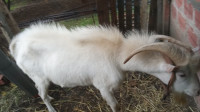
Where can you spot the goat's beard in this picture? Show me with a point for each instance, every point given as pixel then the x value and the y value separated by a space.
pixel 180 98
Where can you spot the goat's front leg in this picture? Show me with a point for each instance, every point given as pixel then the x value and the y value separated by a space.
pixel 110 99
pixel 42 87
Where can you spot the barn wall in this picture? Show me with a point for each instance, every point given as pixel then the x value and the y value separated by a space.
pixel 185 24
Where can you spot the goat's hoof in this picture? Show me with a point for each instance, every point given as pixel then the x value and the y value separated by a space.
pixel 50 98
pixel 53 110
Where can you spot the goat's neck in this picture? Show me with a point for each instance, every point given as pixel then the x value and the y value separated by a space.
pixel 150 63
pixel 123 52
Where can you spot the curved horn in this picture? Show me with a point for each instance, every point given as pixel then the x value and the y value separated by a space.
pixel 172 40
pixel 177 54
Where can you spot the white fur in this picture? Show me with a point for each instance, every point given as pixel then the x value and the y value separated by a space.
pixel 83 56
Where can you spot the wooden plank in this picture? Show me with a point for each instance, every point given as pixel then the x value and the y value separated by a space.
pixel 113 12
pixel 153 16
pixel 8 68
pixel 103 11
pixel 166 17
pixel 128 14
pixel 84 10
pixel 121 14
pixel 51 7
pixel 15 75
pixel 137 14
pixel 144 15
pixel 159 17
pixel 4 39
pixel 7 20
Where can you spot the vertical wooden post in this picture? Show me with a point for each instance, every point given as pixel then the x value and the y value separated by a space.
pixel 7 20
pixel 103 11
pixel 153 16
pixel 8 3
pixel 15 75
pixel 166 16
pixel 160 21
pixel 128 14
pixel 113 12
pixel 8 68
pixel 137 14
pixel 121 14
pixel 144 15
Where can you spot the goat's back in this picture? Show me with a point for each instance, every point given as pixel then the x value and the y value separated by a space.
pixel 49 50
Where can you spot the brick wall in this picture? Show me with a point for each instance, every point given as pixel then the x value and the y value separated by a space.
pixel 185 24
pixel 185 21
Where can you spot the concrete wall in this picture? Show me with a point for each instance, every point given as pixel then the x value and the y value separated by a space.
pixel 185 24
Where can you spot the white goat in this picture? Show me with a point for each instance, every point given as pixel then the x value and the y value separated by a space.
pixel 95 56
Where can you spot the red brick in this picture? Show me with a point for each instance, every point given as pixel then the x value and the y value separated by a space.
pixel 182 22
pixel 197 18
pixel 198 0
pixel 179 3
pixel 173 11
pixel 192 37
pixel 188 9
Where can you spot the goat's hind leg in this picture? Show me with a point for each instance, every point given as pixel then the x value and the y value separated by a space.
pixel 42 86
pixel 110 99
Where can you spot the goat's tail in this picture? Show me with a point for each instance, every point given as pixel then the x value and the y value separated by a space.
pixel 12 47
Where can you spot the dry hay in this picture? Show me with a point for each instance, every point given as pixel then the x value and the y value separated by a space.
pixel 138 93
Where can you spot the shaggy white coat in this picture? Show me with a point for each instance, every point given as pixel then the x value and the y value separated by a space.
pixel 84 56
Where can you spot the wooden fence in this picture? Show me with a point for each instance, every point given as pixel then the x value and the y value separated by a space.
pixel 8 68
pixel 53 10
pixel 151 15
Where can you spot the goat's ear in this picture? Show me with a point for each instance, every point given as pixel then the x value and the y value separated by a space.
pixel 198 75
pixel 169 67
pixel 196 49
pixel 164 38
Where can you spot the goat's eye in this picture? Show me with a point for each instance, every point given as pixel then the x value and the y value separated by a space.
pixel 182 75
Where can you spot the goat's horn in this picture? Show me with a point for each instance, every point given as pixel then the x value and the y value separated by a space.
pixel 172 40
pixel 178 55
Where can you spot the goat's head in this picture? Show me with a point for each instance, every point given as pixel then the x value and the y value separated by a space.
pixel 187 77
pixel 186 61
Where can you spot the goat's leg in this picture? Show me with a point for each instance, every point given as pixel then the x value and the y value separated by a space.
pixel 50 98
pixel 42 89
pixel 110 99
pixel 42 85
